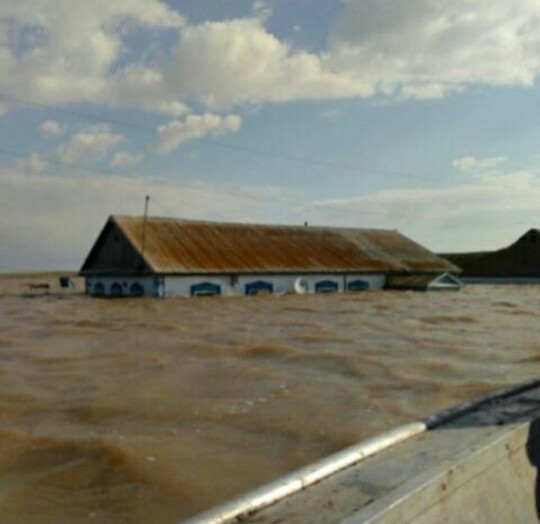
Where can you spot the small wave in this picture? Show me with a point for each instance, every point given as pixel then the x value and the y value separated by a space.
pixel 505 304
pixel 524 312
pixel 9 341
pixel 534 359
pixel 300 309
pixel 449 319
pixel 77 479
pixel 91 324
pixel 271 350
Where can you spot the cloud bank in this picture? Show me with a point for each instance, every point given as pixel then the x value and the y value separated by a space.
pixel 493 209
pixel 391 48
pixel 489 208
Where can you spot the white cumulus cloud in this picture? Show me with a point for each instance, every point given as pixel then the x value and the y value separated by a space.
pixel 425 48
pixel 240 61
pixel 94 140
pixel 124 159
pixel 413 49
pixel 261 9
pixel 51 128
pixel 66 50
pixel 175 133
pixel 471 163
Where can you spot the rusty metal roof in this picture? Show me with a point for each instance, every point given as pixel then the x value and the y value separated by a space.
pixel 185 246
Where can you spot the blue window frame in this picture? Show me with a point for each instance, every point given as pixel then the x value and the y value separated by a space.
pixel 357 285
pixel 205 289
pixel 99 289
pixel 136 290
pixel 326 286
pixel 116 290
pixel 260 286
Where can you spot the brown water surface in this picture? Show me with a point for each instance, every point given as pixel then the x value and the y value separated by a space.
pixel 143 410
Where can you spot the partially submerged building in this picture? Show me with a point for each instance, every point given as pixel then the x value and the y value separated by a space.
pixel 169 257
pixel 515 264
pixel 425 282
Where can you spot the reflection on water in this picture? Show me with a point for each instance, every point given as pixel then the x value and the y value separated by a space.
pixel 136 411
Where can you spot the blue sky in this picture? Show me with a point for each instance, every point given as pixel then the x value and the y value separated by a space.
pixel 419 116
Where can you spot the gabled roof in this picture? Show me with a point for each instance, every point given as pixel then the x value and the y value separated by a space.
pixel 174 246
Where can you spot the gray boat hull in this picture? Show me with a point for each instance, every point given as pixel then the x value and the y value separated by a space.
pixel 476 463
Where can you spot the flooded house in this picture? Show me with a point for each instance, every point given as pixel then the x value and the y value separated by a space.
pixel 161 257
pixel 424 282
pixel 518 263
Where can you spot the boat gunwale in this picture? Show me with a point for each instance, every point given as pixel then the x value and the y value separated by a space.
pixel 276 491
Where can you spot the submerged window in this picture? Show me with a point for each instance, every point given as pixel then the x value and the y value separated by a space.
pixel 99 289
pixel 205 289
pixel 254 288
pixel 116 290
pixel 357 285
pixel 326 286
pixel 136 290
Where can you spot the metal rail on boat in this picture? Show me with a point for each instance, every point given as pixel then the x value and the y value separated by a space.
pixel 362 483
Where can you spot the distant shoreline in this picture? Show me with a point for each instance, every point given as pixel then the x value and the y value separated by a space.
pixel 8 275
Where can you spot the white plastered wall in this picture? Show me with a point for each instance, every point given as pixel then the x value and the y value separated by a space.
pixel 236 285
pixel 230 285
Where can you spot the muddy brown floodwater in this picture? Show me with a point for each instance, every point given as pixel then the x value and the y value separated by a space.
pixel 142 410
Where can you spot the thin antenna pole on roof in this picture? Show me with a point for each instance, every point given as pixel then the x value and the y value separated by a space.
pixel 143 240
